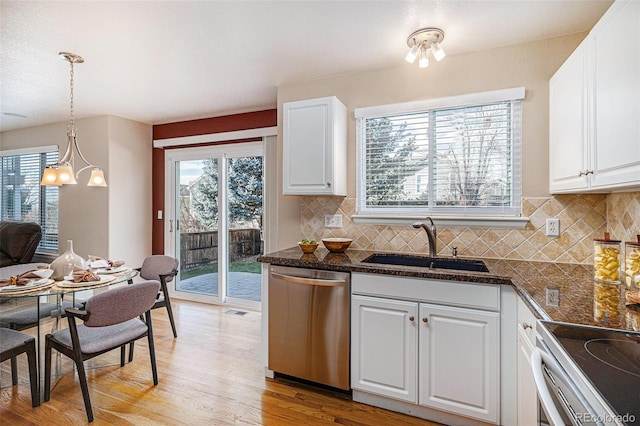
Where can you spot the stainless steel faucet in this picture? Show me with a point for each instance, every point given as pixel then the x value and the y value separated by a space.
pixel 431 235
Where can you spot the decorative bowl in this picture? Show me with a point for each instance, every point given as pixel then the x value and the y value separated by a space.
pixel 337 245
pixel 308 248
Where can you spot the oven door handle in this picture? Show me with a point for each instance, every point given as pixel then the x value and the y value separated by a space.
pixel 538 358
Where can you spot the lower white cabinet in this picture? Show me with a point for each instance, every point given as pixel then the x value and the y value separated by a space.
pixel 441 357
pixel 527 394
pixel 384 348
pixel 459 361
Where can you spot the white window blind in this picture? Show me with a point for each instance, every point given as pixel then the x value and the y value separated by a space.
pixel 457 159
pixel 23 199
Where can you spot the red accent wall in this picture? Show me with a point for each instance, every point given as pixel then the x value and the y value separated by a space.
pixel 227 123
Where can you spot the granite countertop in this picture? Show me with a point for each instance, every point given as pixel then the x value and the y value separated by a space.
pixel 581 300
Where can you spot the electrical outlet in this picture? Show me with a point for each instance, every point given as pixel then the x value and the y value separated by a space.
pixel 553 297
pixel 333 221
pixel 553 227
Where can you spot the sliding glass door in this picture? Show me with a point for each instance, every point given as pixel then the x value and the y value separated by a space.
pixel 214 222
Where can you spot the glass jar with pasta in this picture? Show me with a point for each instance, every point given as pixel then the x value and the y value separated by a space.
pixel 607 306
pixel 607 259
pixel 632 264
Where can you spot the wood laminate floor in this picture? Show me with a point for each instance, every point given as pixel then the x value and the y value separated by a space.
pixel 210 375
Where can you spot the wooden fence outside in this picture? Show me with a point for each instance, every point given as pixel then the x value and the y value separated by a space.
pixel 198 249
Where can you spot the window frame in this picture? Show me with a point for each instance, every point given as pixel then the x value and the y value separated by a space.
pixel 39 150
pixel 499 216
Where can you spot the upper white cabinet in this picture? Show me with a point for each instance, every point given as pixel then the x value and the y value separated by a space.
pixel 568 142
pixel 594 111
pixel 315 147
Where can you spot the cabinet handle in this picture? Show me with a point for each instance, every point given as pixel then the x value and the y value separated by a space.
pixel 526 325
pixel 589 172
pixel 328 183
pixel 411 318
pixel 425 320
pixel 581 174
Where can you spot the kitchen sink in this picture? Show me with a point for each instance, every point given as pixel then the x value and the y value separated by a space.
pixel 428 262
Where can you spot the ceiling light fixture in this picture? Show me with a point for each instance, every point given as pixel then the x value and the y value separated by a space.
pixel 425 40
pixel 62 173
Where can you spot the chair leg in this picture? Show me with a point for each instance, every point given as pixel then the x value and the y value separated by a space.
pixel 14 371
pixel 47 370
pixel 152 349
pixel 122 354
pixel 33 373
pixel 131 345
pixel 167 301
pixel 84 386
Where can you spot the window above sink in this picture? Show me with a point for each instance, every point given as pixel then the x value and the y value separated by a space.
pixel 454 156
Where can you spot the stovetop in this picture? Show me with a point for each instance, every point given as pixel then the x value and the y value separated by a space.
pixel 609 359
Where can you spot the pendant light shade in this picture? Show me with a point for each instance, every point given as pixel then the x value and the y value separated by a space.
pixel 49 176
pixel 65 175
pixel 97 178
pixel 63 172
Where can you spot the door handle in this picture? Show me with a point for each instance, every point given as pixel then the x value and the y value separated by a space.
pixel 538 358
pixel 309 281
pixel 170 225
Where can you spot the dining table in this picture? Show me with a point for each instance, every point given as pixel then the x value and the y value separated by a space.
pixel 43 299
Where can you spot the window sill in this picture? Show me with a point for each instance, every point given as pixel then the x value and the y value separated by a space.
pixel 443 220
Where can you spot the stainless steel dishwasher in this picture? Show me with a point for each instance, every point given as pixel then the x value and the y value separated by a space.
pixel 309 324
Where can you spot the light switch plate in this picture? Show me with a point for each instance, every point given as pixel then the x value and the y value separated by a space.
pixel 333 221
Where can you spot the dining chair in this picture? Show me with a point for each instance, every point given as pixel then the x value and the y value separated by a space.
pixel 111 321
pixel 14 343
pixel 161 268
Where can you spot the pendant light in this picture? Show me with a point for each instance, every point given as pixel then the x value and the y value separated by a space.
pixel 63 173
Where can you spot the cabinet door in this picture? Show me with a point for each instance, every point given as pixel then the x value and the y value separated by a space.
pixel 568 138
pixel 314 147
pixel 459 361
pixel 615 53
pixel 384 347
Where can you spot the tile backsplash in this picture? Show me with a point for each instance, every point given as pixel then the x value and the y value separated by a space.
pixel 583 217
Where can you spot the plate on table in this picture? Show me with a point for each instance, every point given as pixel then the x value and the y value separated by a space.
pixel 68 282
pixel 105 271
pixel 31 285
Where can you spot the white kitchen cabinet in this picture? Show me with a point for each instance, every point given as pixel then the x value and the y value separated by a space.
pixel 594 108
pixel 527 394
pixel 384 348
pixel 459 361
pixel 314 147
pixel 568 142
pixel 411 344
pixel 615 96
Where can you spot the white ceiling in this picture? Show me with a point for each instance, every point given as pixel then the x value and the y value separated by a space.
pixel 165 61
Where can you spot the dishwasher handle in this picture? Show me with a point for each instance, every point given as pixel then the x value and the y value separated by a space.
pixel 310 281
pixel 538 359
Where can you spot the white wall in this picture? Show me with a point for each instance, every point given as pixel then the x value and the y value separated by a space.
pixel 130 211
pixel 102 221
